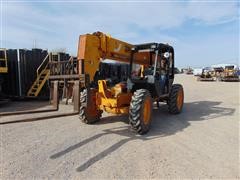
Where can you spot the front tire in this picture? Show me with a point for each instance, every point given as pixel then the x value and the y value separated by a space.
pixel 176 99
pixel 140 111
pixel 89 113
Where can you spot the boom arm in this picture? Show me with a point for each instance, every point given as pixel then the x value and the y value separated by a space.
pixel 98 46
pixel 93 48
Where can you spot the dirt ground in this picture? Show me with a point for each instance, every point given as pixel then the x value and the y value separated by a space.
pixel 201 142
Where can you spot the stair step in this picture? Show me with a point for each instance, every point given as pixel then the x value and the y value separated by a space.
pixel 39 82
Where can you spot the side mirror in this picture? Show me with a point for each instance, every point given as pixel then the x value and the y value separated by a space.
pixel 166 54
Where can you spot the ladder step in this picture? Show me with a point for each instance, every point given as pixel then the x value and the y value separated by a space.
pixel 38 83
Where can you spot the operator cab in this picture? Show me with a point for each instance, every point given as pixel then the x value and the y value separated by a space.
pixel 157 74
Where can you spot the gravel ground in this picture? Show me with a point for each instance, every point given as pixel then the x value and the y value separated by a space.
pixel 201 142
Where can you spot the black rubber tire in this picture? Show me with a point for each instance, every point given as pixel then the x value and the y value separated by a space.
pixel 136 120
pixel 172 102
pixel 85 104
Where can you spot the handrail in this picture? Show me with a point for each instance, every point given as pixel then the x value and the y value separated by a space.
pixel 64 67
pixel 58 62
pixel 71 58
pixel 62 62
pixel 45 59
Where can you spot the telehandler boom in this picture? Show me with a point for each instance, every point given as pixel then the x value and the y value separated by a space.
pixel 150 79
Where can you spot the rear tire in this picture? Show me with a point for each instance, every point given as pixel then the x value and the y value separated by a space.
pixel 89 113
pixel 140 111
pixel 176 99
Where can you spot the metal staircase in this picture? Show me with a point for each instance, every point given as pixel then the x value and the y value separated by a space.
pixel 43 74
pixel 3 61
pixel 51 67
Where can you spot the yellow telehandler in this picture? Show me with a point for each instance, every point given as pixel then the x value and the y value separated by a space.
pixel 150 79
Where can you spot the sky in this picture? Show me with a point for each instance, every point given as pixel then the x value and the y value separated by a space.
pixel 202 32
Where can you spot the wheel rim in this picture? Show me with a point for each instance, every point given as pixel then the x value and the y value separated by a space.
pixel 147 111
pixel 180 99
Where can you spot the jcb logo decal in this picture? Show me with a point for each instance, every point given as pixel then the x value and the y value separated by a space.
pixel 117 49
